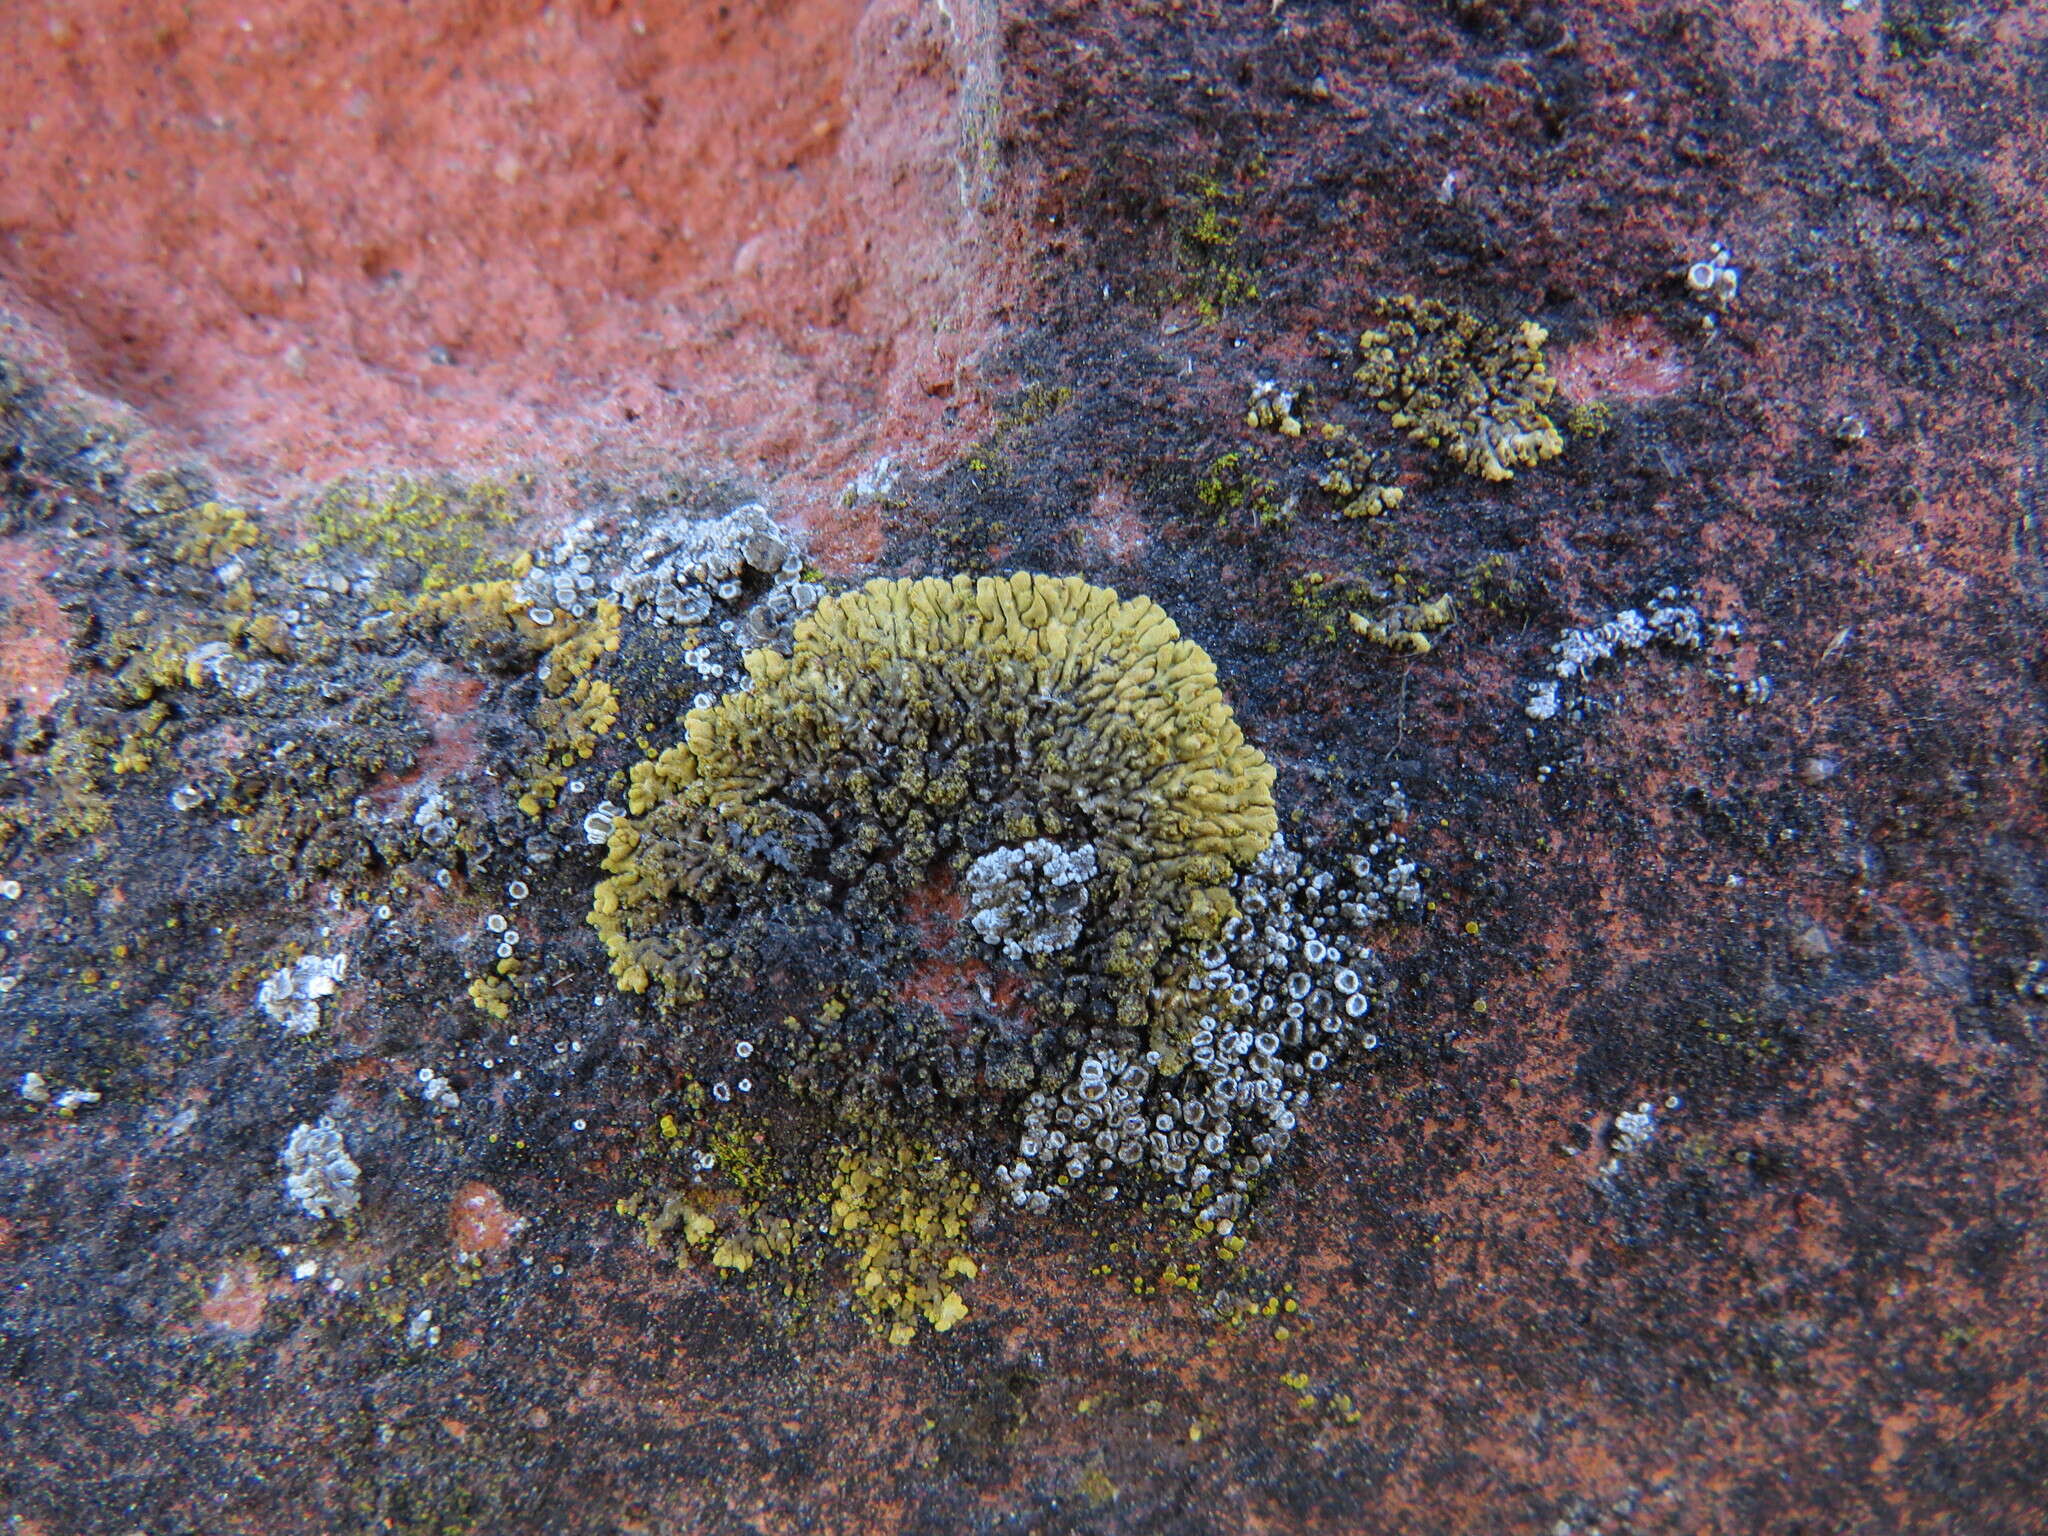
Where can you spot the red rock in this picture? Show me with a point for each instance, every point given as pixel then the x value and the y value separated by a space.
pixel 1628 361
pixel 35 660
pixel 235 1299
pixel 1812 1299
pixel 479 1225
pixel 309 239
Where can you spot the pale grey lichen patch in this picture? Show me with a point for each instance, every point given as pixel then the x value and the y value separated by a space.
pixel 216 663
pixel 1668 622
pixel 318 1172
pixel 435 818
pixel 1290 989
pixel 742 570
pixel 723 585
pixel 1030 900
pixel 1629 1137
pixel 291 994
pixel 598 824
pixel 875 483
pixel 437 1090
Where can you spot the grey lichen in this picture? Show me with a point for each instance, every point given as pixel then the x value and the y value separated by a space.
pixel 1289 988
pixel 291 995
pixel 741 569
pixel 318 1172
pixel 1669 622
pixel 1029 900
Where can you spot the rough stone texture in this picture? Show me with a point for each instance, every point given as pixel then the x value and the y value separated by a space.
pixel 308 239
pixel 1813 1298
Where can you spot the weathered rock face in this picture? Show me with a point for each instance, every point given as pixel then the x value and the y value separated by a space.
pixel 307 240
pixel 410 417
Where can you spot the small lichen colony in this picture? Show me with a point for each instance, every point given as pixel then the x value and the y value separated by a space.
pixel 1453 382
pixel 999 844
pixel 318 1172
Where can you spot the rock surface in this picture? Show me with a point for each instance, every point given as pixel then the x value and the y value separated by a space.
pixel 1700 1185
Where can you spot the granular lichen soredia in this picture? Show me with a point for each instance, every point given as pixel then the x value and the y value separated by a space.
pixel 992 859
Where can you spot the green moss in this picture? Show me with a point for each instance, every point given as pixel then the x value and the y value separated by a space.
pixel 1923 29
pixel 973 541
pixel 1038 403
pixel 1748 1035
pixel 1493 584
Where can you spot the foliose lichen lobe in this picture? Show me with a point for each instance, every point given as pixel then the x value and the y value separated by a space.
pixel 986 869
pixel 1477 391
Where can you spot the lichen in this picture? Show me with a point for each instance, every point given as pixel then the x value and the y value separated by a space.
pixel 1232 485
pixel 318 1172
pixel 1284 990
pixel 919 725
pixel 901 1210
pixel 1455 383
pixel 1030 900
pixel 693 571
pixel 1405 627
pixel 1213 277
pixel 897 1211
pixel 438 532
pixel 212 534
pixel 498 624
pixel 291 995
pixel 492 995
pixel 996 844
pixel 1350 473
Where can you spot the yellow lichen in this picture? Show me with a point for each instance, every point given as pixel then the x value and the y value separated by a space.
pixel 1405 627
pixel 1454 382
pixel 570 726
pixel 916 725
pixel 490 621
pixel 735 1241
pixel 443 529
pixel 492 995
pixel 901 1212
pixel 211 534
